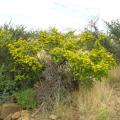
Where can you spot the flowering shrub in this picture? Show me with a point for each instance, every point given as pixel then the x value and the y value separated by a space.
pixel 86 60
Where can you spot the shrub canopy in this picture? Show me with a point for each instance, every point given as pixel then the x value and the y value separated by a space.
pixel 86 60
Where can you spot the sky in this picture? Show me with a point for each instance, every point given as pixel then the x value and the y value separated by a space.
pixel 63 14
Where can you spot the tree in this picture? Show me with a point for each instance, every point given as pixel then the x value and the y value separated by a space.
pixel 113 40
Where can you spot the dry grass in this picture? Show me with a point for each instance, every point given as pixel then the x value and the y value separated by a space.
pixel 87 105
pixel 84 105
pixel 114 76
pixel 93 104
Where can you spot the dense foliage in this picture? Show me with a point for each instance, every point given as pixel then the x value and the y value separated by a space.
pixel 81 55
pixel 112 42
pixel 86 59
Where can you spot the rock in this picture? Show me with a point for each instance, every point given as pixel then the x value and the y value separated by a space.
pixel 53 117
pixel 16 115
pixel 9 117
pixel 21 115
pixel 82 118
pixel 24 115
pixel 8 109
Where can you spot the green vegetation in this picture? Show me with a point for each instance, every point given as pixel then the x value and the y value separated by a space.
pixel 112 42
pixel 83 55
pixel 26 99
pixel 52 61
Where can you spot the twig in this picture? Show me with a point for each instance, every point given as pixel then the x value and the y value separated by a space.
pixel 38 110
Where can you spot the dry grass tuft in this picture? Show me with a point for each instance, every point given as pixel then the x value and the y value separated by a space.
pixel 97 103
pixel 114 76
pixel 94 104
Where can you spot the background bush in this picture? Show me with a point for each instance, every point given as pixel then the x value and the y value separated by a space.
pixel 112 42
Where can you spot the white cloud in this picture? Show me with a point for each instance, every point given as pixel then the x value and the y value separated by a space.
pixel 60 13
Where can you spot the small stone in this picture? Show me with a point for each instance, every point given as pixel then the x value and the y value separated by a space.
pixel 53 117
pixel 8 108
pixel 9 117
pixel 16 115
pixel 24 115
